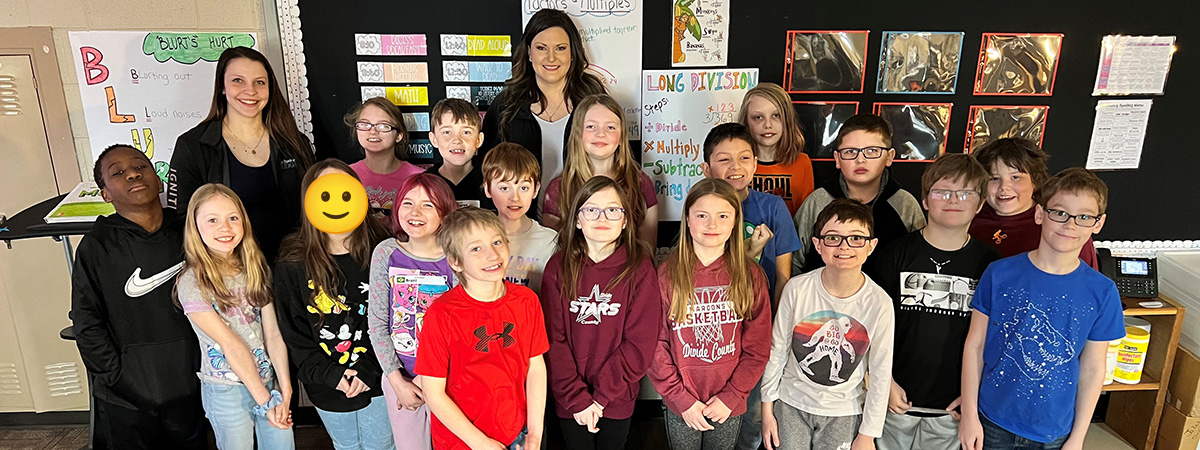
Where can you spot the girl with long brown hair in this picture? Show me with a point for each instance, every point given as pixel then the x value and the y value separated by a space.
pixel 377 126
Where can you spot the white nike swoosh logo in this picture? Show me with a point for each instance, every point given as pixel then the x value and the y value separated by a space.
pixel 137 286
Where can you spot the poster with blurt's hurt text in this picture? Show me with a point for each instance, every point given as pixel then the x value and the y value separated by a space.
pixel 611 31
pixel 679 107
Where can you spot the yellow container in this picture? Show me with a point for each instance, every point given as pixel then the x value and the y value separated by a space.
pixel 1131 357
pixel 1110 363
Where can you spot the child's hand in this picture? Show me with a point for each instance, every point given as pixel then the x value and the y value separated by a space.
pixel 898 400
pixel 716 410
pixel 970 433
pixel 770 429
pixel 953 408
pixel 694 417
pixel 280 416
pixel 863 442
pixel 758 240
pixel 351 385
pixel 589 417
pixel 408 395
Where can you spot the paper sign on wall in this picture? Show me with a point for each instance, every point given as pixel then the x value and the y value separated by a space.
pixel 398 95
pixel 380 72
pixel 390 44
pixel 475 45
pixel 681 106
pixel 700 30
pixel 1118 134
pixel 1134 65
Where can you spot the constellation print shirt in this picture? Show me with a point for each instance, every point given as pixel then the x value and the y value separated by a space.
pixel 1038 324
pixel 482 349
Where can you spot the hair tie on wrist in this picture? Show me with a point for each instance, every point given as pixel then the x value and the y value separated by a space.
pixel 276 399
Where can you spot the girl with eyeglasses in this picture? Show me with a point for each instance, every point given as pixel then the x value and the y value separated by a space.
pixel 715 341
pixel 600 298
pixel 378 127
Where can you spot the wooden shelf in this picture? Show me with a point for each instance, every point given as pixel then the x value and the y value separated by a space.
pixel 1148 383
pixel 1132 308
pixel 1134 409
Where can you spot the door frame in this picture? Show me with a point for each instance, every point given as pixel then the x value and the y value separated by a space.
pixel 38 44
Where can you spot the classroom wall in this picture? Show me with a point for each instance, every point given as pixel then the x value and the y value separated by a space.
pixel 143 15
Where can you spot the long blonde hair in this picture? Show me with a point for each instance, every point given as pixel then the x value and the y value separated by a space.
pixel 577 169
pixel 791 140
pixel 682 260
pixel 246 256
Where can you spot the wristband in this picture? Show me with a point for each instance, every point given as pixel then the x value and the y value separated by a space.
pixel 276 399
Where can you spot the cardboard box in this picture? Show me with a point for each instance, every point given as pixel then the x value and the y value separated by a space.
pixel 1176 431
pixel 1183 391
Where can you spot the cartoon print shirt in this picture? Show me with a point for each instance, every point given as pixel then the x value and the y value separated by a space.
pixel 326 339
pixel 826 351
pixel 482 349
pixel 244 320
pixel 1038 324
pixel 528 254
pixel 715 352
pixel 403 286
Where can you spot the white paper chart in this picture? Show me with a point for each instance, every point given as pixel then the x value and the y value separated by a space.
pixel 1118 134
pixel 1134 65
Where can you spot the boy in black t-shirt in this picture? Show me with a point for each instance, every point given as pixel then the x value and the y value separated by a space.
pixel 931 275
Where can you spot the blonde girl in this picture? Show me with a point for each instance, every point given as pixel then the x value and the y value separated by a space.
pixel 783 167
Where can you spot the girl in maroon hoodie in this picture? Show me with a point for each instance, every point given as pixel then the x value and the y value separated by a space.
pixel 714 345
pixel 600 297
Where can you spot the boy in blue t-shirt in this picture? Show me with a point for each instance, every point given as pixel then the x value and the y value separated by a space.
pixel 1035 355
pixel 730 155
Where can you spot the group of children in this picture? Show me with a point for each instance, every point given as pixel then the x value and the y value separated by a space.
pixel 438 324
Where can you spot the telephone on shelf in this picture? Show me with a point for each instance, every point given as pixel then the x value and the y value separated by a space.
pixel 1135 277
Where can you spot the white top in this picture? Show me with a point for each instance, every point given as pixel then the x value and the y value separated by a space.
pixel 552 150
pixel 822 346
pixel 528 253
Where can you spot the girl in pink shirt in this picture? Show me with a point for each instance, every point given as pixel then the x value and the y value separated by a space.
pixel 378 126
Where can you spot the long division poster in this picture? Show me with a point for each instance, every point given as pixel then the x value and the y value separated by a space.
pixel 612 34
pixel 146 88
pixel 679 107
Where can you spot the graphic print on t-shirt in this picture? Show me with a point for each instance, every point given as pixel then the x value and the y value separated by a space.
pixel 519 268
pixel 1032 342
pixel 936 293
pixel 485 339
pixel 412 292
pixel 829 345
pixel 775 184
pixel 703 334
pixel 592 308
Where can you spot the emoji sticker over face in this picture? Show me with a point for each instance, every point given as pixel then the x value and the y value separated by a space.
pixel 335 203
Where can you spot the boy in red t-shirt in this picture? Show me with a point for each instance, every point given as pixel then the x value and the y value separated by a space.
pixel 480 357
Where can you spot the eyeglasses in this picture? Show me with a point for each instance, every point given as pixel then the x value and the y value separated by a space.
pixel 593 213
pixel 944 194
pixel 834 240
pixel 850 153
pixel 382 127
pixel 1083 220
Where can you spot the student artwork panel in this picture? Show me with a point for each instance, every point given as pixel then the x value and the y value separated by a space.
pixel 919 62
pixel 700 33
pixel 825 62
pixel 990 123
pixel 1017 64
pixel 612 33
pixel 681 106
pixel 919 130
pixel 820 123
pixel 146 88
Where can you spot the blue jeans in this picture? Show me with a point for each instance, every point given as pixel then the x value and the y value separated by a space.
pixel 230 409
pixel 520 440
pixel 996 438
pixel 365 429
pixel 750 435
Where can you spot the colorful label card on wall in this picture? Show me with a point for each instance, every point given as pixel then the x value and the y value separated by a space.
pixel 421 151
pixel 476 71
pixel 416 122
pixel 380 72
pixel 681 106
pixel 147 88
pixel 820 123
pixel 390 44
pixel 1017 64
pixel 399 95
pixel 919 130
pixel 700 30
pixel 474 45
pixel 478 95
pixel 825 62
pixel 612 33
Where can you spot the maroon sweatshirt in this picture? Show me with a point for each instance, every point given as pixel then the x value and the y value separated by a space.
pixel 601 339
pixel 715 352
pixel 1018 233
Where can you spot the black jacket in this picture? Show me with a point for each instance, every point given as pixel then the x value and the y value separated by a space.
pixel 522 129
pixel 134 341
pixel 201 156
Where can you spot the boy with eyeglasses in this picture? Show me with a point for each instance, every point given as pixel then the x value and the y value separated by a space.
pixel 1034 359
pixel 930 275
pixel 864 152
pixel 826 383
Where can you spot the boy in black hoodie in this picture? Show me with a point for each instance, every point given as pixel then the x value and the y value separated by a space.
pixel 136 344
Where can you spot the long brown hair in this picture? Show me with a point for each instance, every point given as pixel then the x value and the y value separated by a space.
pixel 573 244
pixel 577 168
pixel 682 259
pixel 209 268
pixel 277 116
pixel 791 140
pixel 393 113
pixel 309 247
pixel 521 89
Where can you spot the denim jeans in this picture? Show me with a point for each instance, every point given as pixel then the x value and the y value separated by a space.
pixel 997 438
pixel 230 409
pixel 520 440
pixel 750 435
pixel 365 429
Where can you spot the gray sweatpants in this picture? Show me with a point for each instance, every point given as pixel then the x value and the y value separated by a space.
pixel 680 436
pixel 905 432
pixel 799 430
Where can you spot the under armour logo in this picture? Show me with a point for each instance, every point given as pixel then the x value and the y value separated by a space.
pixel 999 237
pixel 485 339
